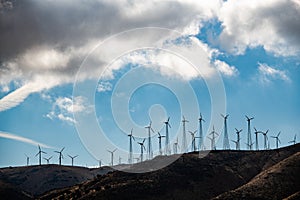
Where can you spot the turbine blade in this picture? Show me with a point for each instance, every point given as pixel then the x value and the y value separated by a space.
pixel 62 149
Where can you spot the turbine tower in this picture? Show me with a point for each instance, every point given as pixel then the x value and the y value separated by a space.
pixel 236 144
pixel 184 145
pixel 112 156
pixel 176 146
pixel 48 160
pixel 256 138
pixel 238 138
pixel 226 144
pixel 167 146
pixel 142 149
pixel 72 158
pixel 27 159
pixel 150 153
pixel 40 154
pixel 193 140
pixel 60 155
pixel 213 139
pixel 100 163
pixel 249 140
pixel 277 139
pixel 265 139
pixel 250 145
pixel 130 147
pixel 201 144
pixel 159 142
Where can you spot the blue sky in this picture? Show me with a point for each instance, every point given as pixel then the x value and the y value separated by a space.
pixel 248 52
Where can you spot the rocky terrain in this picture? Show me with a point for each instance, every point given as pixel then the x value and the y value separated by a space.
pixel 270 174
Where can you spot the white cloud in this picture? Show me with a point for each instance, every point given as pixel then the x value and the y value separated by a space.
pixel 225 69
pixel 22 139
pixel 268 73
pixel 254 23
pixel 104 86
pixel 63 108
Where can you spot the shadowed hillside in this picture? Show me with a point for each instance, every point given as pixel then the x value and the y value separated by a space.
pixel 191 177
pixel 36 180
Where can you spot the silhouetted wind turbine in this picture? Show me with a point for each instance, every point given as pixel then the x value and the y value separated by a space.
pixel 167 146
pixel 201 144
pixel 48 160
pixel 214 133
pixel 130 147
pixel 100 163
pixel 265 138
pixel 236 144
pixel 27 159
pixel 249 140
pixel 150 153
pixel 277 139
pixel 72 158
pixel 120 160
pixel 112 156
pixel 226 144
pixel 193 140
pixel 250 146
pixel 176 146
pixel 184 145
pixel 60 155
pixel 142 149
pixel 294 140
pixel 159 142
pixel 40 154
pixel 256 138
pixel 238 137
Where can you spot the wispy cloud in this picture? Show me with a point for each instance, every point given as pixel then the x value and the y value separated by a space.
pixel 268 73
pixel 104 86
pixel 23 139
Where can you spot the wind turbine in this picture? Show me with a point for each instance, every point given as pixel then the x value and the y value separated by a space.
pixel 184 145
pixel 130 147
pixel 60 155
pixel 150 153
pixel 249 140
pixel 201 145
pixel 250 145
pixel 142 149
pixel 277 139
pixel 265 139
pixel 72 158
pixel 213 133
pixel 112 156
pixel 159 142
pixel 226 144
pixel 120 160
pixel 48 159
pixel 238 137
pixel 193 140
pixel 294 140
pixel 100 163
pixel 256 138
pixel 27 159
pixel 176 146
pixel 167 146
pixel 40 154
pixel 236 144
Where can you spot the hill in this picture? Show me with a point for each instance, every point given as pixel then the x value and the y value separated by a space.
pixel 35 180
pixel 190 177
